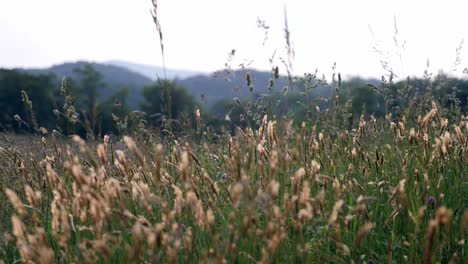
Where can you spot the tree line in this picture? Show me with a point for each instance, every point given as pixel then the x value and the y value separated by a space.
pixel 33 103
pixel 30 103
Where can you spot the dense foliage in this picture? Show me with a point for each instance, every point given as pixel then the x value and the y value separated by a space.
pixel 347 183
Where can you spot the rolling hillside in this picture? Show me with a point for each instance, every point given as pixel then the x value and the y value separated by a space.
pixel 152 72
pixel 114 77
pixel 207 89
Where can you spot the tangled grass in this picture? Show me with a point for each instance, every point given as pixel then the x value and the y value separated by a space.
pixel 387 191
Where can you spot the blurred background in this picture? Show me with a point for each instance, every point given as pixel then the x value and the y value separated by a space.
pixel 110 51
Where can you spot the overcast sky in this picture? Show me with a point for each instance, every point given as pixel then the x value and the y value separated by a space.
pixel 199 34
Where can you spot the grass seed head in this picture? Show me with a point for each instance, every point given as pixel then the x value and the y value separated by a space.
pixel 336 210
pixel 101 152
pixel 16 202
pixel 362 233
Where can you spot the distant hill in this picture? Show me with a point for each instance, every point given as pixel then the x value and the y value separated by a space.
pixel 153 72
pixel 214 87
pixel 230 84
pixel 115 78
pixel 205 88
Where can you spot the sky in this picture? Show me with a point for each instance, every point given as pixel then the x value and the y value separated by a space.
pixel 198 35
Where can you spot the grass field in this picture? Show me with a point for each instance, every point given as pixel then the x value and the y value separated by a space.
pixel 385 192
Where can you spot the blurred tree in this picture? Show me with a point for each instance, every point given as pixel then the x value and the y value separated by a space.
pixel 90 80
pixel 452 92
pixel 155 103
pixel 34 105
pixel 228 113
pixel 364 100
pixel 113 114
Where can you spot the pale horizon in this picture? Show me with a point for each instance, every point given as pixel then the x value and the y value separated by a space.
pixel 198 35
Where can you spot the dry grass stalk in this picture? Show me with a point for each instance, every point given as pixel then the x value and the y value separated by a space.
pixel 336 210
pixel 16 202
pixel 362 233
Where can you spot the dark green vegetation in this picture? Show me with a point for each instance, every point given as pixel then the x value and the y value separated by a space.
pixel 101 99
pixel 316 172
pixel 113 79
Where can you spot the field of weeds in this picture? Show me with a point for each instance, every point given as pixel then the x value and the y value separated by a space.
pixel 387 191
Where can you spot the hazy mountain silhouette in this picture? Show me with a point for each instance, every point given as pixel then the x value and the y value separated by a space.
pixel 206 88
pixel 230 84
pixel 115 78
pixel 153 72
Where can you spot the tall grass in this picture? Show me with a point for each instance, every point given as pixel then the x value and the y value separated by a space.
pixel 385 192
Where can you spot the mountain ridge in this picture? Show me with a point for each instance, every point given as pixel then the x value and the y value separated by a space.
pixel 207 89
pixel 153 72
pixel 115 78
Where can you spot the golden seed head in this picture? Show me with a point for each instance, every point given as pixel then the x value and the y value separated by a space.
pixel 336 210
pixel 16 202
pixel 101 151
pixel 210 218
pixel 236 194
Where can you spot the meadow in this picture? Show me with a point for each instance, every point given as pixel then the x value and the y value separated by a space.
pixel 385 190
pixel 285 178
